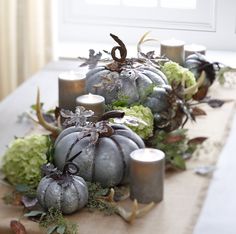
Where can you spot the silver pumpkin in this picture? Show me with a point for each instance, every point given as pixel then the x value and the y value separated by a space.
pixel 67 199
pixel 134 80
pixel 106 161
pixel 129 82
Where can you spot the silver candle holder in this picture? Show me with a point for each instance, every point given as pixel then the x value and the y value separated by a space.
pixel 70 85
pixel 147 170
pixel 194 48
pixel 174 50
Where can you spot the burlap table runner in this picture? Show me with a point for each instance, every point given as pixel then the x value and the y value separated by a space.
pixel 184 191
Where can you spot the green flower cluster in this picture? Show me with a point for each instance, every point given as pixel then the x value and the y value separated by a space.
pixel 144 127
pixel 174 72
pixel 23 160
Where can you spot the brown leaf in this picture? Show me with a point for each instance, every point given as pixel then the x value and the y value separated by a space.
pixel 29 201
pixel 216 103
pixel 201 93
pixel 197 140
pixel 17 199
pixel 174 138
pixel 57 112
pixel 196 111
pixel 17 227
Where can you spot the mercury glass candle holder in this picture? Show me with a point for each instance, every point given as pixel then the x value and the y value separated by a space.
pixel 147 170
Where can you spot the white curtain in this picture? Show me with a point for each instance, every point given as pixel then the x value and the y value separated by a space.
pixel 25 40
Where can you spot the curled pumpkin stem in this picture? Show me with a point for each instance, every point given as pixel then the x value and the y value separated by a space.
pixel 70 168
pixel 121 48
pixel 128 216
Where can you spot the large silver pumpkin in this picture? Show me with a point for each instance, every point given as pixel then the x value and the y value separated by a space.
pixel 67 196
pixel 106 161
pixel 131 82
pixel 129 78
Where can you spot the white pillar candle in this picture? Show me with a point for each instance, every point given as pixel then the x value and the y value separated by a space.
pixel 194 48
pixel 96 103
pixel 70 85
pixel 174 50
pixel 147 170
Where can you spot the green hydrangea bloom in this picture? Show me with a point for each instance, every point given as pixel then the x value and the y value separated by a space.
pixel 174 71
pixel 23 160
pixel 142 113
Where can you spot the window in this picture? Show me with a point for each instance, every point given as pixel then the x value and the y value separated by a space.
pixel 171 14
pixel 208 22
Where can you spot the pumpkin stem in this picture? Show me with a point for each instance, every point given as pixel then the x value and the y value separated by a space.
pixel 112 114
pixel 70 168
pixel 121 48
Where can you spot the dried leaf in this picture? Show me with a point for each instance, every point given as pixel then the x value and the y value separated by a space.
pixel 35 213
pixel 92 60
pixel 204 170
pixel 215 103
pixel 197 140
pixel 130 120
pixel 17 227
pixel 174 138
pixel 29 201
pixel 52 229
pixel 57 112
pixel 22 188
pixel 61 229
pixel 78 118
pixel 148 55
pixel 196 111
pixel 201 93
pixel 107 52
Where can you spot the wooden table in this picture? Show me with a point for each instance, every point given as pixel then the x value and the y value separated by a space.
pixel 221 190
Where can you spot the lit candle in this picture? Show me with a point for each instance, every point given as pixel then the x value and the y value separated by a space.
pixel 173 50
pixel 96 103
pixel 147 170
pixel 70 85
pixel 193 48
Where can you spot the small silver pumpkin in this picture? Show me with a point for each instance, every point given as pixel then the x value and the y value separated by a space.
pixel 64 191
pixel 105 161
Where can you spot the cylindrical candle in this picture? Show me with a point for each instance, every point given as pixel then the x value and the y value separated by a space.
pixel 96 103
pixel 70 85
pixel 147 170
pixel 193 48
pixel 173 50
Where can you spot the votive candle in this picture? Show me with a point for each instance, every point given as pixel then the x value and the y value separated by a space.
pixel 93 102
pixel 174 50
